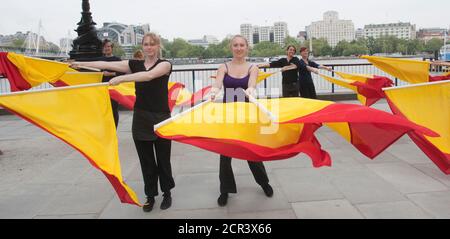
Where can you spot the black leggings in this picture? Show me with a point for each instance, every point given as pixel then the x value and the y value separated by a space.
pixel 226 176
pixel 152 168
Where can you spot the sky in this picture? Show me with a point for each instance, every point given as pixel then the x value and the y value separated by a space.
pixel 194 19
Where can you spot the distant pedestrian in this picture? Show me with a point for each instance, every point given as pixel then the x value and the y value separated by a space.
pixel 108 48
pixel 138 55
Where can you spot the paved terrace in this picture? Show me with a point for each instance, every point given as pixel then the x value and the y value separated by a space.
pixel 41 177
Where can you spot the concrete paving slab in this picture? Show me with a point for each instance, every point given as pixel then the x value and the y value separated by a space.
pixel 393 210
pixel 408 153
pixel 435 203
pixel 333 209
pixel 364 186
pixel 300 185
pixel 433 171
pixel 277 214
pixel 406 178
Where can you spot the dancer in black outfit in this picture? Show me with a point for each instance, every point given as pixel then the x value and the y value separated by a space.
pixel 289 67
pixel 151 76
pixel 306 66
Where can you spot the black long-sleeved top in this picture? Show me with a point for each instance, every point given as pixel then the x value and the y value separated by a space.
pixel 290 76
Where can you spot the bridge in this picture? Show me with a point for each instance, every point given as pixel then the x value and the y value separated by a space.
pixel 45 54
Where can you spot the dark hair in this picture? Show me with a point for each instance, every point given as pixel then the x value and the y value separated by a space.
pixel 295 49
pixel 303 49
pixel 106 41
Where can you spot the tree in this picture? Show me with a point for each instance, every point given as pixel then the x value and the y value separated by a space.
pixel 118 50
pixel 179 47
pixel 265 49
pixel 290 41
pixel 340 48
pixel 18 43
pixel 434 45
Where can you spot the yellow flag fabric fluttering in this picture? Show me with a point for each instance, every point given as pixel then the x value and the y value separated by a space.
pixel 368 88
pixel 261 76
pixel 86 124
pixel 428 105
pixel 242 130
pixel 411 71
pixel 38 71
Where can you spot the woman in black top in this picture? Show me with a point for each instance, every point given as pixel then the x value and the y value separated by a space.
pixel 306 66
pixel 151 76
pixel 288 66
pixel 108 47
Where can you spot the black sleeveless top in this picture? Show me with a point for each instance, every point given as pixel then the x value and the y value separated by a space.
pixel 151 105
pixel 151 95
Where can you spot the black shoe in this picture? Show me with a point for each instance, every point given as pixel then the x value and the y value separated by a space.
pixel 166 203
pixel 268 190
pixel 223 199
pixel 148 206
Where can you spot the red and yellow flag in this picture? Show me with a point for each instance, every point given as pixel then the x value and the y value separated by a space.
pixel 86 124
pixel 411 71
pixel 24 72
pixel 428 105
pixel 261 76
pixel 368 90
pixel 240 130
pixel 38 71
pixel 371 131
pixel 125 94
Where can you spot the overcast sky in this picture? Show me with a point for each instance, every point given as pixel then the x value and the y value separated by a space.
pixel 193 19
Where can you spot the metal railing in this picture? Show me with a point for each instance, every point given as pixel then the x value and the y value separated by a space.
pixel 196 79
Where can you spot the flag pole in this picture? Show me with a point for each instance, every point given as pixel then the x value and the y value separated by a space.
pixel 89 68
pixel 63 63
pixel 167 121
pixel 261 107
pixel 55 89
pixel 416 85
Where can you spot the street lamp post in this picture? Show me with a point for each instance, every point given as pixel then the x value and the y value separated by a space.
pixel 87 44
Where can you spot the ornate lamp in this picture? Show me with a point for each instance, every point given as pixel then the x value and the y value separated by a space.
pixel 86 45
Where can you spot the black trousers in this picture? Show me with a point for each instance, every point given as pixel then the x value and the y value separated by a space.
pixel 226 176
pixel 290 90
pixel 155 168
pixel 307 90
pixel 115 110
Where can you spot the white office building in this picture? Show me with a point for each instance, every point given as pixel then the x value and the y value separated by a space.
pixel 280 32
pixel 332 29
pixel 400 30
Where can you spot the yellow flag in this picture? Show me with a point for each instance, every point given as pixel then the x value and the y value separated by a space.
pixel 85 123
pixel 72 78
pixel 427 105
pixel 411 71
pixel 38 71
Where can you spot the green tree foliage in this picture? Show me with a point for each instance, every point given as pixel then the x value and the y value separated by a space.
pixel 118 50
pixel 433 45
pixel 266 49
pixel 291 41
pixel 18 43
pixel 180 48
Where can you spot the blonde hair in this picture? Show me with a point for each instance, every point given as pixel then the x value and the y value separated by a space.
pixel 238 36
pixel 155 39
